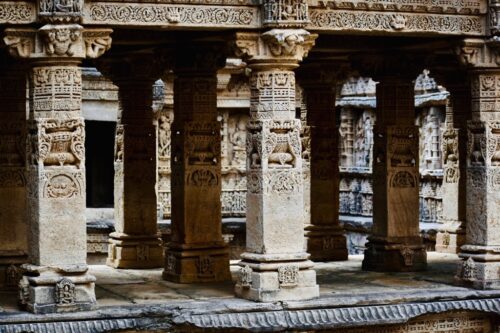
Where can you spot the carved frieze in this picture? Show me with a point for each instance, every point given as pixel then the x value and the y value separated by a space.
pixel 17 12
pixel 417 6
pixel 60 10
pixel 342 20
pixel 200 16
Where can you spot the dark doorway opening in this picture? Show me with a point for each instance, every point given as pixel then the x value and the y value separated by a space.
pixel 99 145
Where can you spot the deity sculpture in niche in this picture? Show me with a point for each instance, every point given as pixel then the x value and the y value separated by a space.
pixel 164 124
pixel 237 138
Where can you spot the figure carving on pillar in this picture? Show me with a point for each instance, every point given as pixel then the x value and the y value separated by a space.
pixel 280 269
pixel 56 281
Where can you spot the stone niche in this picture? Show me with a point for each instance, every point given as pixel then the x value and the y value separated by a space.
pixel 455 322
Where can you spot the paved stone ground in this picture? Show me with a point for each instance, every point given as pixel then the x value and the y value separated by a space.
pixel 342 279
pixel 140 299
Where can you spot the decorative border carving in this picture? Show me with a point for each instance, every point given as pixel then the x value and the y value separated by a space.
pixel 302 319
pixel 180 15
pixel 17 12
pixel 341 20
pixel 422 6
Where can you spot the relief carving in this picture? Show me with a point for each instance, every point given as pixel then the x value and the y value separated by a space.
pixel 285 13
pixel 65 292
pixel 60 142
pixel 245 276
pixel 205 266
pixel 288 275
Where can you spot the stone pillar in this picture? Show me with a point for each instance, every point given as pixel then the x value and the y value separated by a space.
pixel 395 243
pixel 346 130
pixel 325 239
pixel 196 252
pixel 451 236
pixel 274 266
pixel 481 254
pixel 56 280
pixel 135 243
pixel 13 205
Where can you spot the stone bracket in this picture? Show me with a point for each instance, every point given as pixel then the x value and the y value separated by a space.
pixel 70 41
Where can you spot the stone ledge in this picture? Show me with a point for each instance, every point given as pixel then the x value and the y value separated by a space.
pixel 256 317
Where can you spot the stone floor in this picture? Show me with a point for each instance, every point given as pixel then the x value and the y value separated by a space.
pixel 343 279
pixel 343 285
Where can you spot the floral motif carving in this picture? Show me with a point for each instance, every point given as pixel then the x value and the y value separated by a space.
pixel 288 275
pixel 146 14
pixel 15 12
pixel 327 19
pixel 65 292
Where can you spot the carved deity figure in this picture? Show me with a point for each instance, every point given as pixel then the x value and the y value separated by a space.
pixel 164 136
pixel 238 141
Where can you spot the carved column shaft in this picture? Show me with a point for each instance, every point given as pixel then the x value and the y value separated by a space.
pixel 275 266
pixel 57 278
pixel 395 244
pixel 135 242
pixel 325 240
pixel 454 138
pixel 196 251
pixel 13 204
pixel 480 253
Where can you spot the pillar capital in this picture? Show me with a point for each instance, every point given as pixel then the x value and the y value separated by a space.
pixel 58 42
pixel 478 53
pixel 276 48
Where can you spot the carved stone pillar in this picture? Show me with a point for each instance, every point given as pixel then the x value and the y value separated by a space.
pixel 13 205
pixel 135 243
pixel 275 266
pixel 454 138
pixel 325 239
pixel 481 254
pixel 57 279
pixel 395 243
pixel 196 252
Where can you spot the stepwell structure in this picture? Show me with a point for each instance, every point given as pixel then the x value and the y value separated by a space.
pixel 316 43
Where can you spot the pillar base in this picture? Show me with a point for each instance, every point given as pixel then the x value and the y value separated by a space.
pixel 193 265
pixel 134 251
pixel 11 271
pixel 479 268
pixel 271 278
pixel 384 256
pixel 56 289
pixel 449 242
pixel 325 243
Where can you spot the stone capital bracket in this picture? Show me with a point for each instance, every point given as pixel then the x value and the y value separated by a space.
pixel 479 53
pixel 278 47
pixel 61 41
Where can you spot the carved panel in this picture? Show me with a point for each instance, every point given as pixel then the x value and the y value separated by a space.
pixel 56 89
pixel 341 20
pixel 65 292
pixel 288 275
pixel 17 12
pixel 199 16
